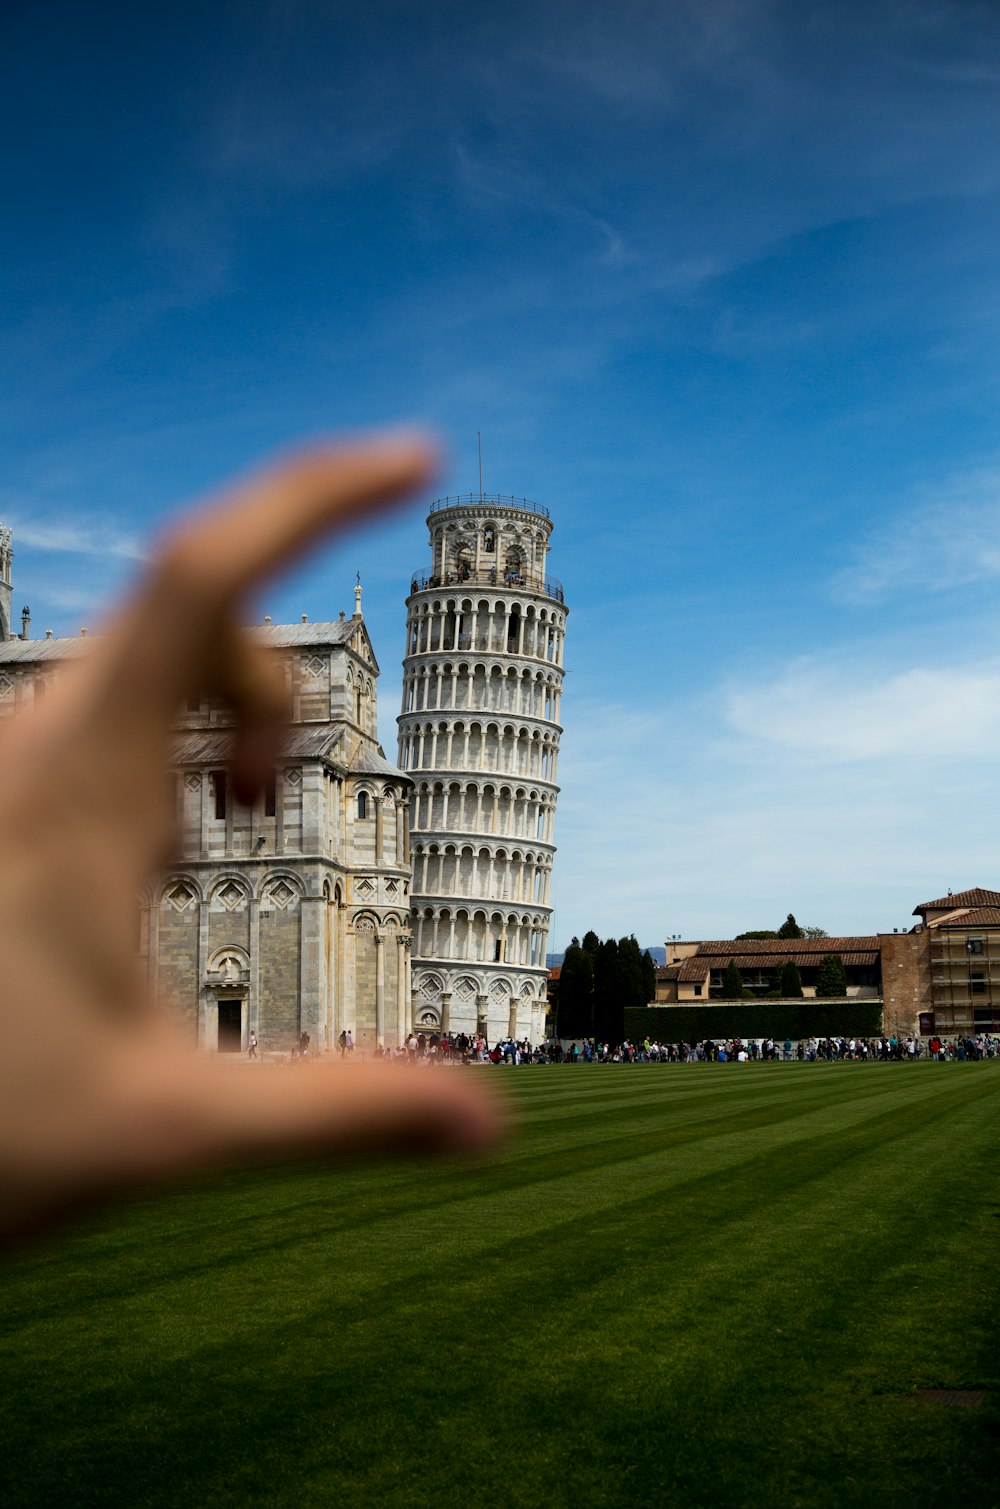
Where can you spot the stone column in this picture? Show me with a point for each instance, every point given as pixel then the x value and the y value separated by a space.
pixel 340 948
pixel 204 814
pixel 279 811
pixel 379 831
pixel 379 989
pixel 152 943
pixel 402 991
pixel 330 1005
pixel 312 959
pixel 207 1038
pixel 253 989
pixel 445 1011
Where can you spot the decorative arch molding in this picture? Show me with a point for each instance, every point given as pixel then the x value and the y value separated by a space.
pixel 228 966
pixel 366 922
pixel 180 893
pixel 229 893
pixel 281 890
pixel 464 989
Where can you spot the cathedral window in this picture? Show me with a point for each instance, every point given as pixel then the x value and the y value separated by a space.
pixel 219 782
pixel 489 540
pixel 270 796
pixel 362 804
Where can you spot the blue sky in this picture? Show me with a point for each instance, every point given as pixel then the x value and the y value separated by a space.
pixel 717 281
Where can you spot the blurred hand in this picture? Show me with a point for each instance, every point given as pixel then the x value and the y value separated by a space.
pixel 99 1092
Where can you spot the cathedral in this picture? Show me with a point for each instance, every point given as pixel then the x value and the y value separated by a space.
pixel 299 915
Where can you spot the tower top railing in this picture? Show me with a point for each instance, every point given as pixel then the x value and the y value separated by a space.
pixel 493 576
pixel 497 502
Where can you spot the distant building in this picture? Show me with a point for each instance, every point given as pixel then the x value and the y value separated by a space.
pixel 697 977
pixel 942 976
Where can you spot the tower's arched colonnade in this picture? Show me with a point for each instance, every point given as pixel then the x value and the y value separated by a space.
pixel 479 736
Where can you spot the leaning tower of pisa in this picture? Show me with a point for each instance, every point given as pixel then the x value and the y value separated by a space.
pixel 479 737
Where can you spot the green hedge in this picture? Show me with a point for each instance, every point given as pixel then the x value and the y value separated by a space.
pixel 777 1019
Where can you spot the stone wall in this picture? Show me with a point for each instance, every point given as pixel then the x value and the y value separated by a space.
pixel 906 980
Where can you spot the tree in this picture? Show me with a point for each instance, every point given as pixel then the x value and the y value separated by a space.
pixel 761 932
pixel 790 982
pixel 630 965
pixel 576 993
pixel 591 945
pixel 790 928
pixel 609 1007
pixel 830 977
pixel 815 932
pixel 648 977
pixel 732 983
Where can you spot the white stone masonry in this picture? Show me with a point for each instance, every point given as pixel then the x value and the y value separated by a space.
pixel 479 736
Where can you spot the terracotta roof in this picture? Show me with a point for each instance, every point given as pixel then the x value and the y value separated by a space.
pixel 976 897
pixel 784 947
pixel 979 916
pixel 752 953
pixel 668 971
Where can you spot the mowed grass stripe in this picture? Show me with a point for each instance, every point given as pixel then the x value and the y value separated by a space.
pixel 612 1320
pixel 526 1193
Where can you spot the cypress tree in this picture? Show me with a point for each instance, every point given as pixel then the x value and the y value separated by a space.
pixel 789 928
pixel 648 978
pixel 630 965
pixel 790 982
pixel 576 993
pixel 831 979
pixel 609 1006
pixel 732 983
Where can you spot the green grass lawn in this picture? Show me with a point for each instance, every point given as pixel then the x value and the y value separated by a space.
pixel 706 1284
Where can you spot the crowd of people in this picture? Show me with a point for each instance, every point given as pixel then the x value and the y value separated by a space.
pixel 474 1048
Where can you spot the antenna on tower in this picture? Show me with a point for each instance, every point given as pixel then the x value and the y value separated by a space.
pixel 479 442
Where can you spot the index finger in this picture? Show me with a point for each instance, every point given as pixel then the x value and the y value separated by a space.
pixel 164 639
pixel 263 522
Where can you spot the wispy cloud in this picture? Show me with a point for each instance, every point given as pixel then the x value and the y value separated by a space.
pixel 97 538
pixel 837 715
pixel 829 790
pixel 941 538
